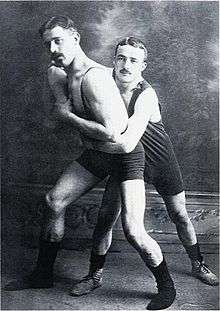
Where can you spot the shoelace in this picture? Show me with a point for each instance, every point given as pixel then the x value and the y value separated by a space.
pixel 97 275
pixel 204 267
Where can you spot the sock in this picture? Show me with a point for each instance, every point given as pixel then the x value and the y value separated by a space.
pixel 161 273
pixel 96 261
pixel 46 256
pixel 193 252
pixel 166 291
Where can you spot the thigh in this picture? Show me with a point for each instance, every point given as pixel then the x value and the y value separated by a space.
pixel 133 199
pixel 73 183
pixel 111 202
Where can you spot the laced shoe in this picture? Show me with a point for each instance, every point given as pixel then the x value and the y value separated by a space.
pixel 165 297
pixel 201 271
pixel 87 284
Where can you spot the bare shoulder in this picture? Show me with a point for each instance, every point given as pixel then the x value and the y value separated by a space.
pixel 99 76
pixel 147 104
pixel 148 98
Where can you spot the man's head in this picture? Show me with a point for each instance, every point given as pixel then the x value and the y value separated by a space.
pixel 61 38
pixel 130 59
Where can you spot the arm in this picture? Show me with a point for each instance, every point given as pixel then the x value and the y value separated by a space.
pixel 103 129
pixel 146 107
pixel 104 103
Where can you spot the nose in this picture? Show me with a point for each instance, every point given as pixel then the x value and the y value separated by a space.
pixel 53 47
pixel 127 64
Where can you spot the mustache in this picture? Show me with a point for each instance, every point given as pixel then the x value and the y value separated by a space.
pixel 124 71
pixel 54 56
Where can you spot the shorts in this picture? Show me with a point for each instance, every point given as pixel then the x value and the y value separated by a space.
pixel 164 175
pixel 127 166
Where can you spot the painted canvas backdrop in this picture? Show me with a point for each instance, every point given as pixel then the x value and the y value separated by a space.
pixel 182 40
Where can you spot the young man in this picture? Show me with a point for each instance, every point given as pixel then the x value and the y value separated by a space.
pixel 92 104
pixel 162 169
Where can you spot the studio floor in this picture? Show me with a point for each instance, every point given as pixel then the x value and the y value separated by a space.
pixel 127 284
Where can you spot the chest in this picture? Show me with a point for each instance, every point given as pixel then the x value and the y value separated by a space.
pixel 126 96
pixel 74 89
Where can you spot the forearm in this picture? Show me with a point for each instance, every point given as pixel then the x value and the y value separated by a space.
pixel 126 142
pixel 86 127
pixel 109 147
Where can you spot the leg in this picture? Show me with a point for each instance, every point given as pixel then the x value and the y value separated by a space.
pixel 73 183
pixel 102 238
pixel 133 207
pixel 108 215
pixel 176 207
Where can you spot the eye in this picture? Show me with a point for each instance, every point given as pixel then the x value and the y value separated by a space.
pixel 134 61
pixel 120 58
pixel 58 41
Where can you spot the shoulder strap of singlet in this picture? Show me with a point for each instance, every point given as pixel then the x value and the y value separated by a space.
pixel 81 88
pixel 143 85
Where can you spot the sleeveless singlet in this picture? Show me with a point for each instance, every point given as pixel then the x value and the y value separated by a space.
pixel 161 166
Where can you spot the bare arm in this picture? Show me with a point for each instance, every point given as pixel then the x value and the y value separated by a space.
pixel 104 103
pixel 146 108
pixel 106 127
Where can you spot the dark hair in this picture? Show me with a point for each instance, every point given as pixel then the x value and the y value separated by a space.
pixel 135 42
pixel 62 21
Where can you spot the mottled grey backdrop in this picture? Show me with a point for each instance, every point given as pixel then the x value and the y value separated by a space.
pixel 182 39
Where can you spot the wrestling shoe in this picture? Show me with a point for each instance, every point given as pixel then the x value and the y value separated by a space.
pixel 87 284
pixel 201 271
pixel 165 297
pixel 35 280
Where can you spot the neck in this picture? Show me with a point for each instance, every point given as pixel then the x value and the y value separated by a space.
pixel 79 62
pixel 127 86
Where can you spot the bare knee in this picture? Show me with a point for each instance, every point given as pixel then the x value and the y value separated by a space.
pixel 179 217
pixel 134 233
pixel 55 203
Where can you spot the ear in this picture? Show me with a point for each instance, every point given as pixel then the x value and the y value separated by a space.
pixel 75 34
pixel 144 66
pixel 113 61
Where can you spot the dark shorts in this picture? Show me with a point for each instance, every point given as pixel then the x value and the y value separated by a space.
pixel 164 175
pixel 123 167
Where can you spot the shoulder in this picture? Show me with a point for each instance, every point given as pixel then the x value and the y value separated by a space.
pixel 99 72
pixel 148 94
pixel 98 81
pixel 147 102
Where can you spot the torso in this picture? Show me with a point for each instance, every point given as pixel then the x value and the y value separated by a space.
pixel 74 87
pixel 130 103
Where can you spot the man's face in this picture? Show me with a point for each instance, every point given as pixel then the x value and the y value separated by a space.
pixel 129 63
pixel 61 44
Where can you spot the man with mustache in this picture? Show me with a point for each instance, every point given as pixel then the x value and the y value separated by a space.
pixel 161 169
pixel 92 104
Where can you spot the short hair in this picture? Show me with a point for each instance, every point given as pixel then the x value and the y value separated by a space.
pixel 135 42
pixel 59 20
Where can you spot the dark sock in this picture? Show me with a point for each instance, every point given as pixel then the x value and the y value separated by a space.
pixel 166 291
pixel 42 276
pixel 193 252
pixel 96 261
pixel 47 255
pixel 161 273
